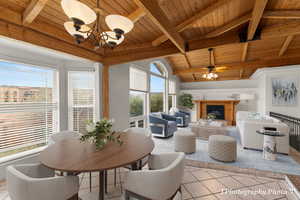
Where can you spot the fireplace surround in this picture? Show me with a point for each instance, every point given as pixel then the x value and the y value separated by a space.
pixel 205 106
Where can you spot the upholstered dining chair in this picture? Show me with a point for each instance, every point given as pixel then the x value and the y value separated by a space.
pixel 36 182
pixel 161 181
pixel 62 135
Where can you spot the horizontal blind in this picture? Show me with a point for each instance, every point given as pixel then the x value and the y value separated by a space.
pixel 172 87
pixel 138 79
pixel 28 106
pixel 81 100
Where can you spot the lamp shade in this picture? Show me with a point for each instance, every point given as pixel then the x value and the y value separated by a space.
pixel 118 22
pixel 110 38
pixel 79 11
pixel 245 96
pixel 69 26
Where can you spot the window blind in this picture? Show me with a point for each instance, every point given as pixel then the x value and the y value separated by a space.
pixel 81 100
pixel 138 79
pixel 28 107
pixel 172 87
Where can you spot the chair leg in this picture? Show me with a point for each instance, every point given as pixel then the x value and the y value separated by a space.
pixel 75 197
pixel 127 195
pixel 115 177
pixel 90 181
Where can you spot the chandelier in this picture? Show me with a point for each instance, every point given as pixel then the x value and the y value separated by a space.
pixel 210 75
pixel 81 25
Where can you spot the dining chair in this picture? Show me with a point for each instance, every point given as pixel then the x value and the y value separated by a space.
pixel 36 182
pixel 161 181
pixel 62 135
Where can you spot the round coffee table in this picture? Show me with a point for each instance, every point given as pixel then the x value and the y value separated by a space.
pixel 74 157
pixel 269 146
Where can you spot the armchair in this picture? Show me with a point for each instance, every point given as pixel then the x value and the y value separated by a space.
pixel 36 182
pixel 183 118
pixel 162 125
pixel 162 181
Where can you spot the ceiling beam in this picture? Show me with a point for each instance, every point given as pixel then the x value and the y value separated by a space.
pixel 242 73
pixel 282 14
pixel 31 36
pixel 231 25
pixel 245 65
pixel 245 51
pixel 189 22
pixel 33 10
pixel 274 31
pixel 157 15
pixel 285 44
pixel 136 15
pixel 257 13
pixel 189 64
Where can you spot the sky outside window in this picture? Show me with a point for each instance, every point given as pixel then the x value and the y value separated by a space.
pixel 20 75
pixel 157 84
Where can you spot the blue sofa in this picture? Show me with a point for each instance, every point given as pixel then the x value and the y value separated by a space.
pixel 162 125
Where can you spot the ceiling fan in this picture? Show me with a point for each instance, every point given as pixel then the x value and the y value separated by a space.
pixel 212 70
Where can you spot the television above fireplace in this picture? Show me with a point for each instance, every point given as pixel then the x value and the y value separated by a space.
pixel 217 110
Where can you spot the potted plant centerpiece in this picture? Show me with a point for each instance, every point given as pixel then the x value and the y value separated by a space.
pixel 100 133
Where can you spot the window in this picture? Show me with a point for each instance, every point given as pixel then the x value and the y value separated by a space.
pixel 138 97
pixel 172 94
pixel 157 90
pixel 81 100
pixel 28 107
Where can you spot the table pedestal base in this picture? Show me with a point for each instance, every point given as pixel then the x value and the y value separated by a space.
pixel 269 148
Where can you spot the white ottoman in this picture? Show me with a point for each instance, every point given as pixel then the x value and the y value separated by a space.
pixel 222 148
pixel 185 141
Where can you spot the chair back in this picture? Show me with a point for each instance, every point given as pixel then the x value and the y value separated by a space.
pixel 175 169
pixel 144 131
pixel 62 135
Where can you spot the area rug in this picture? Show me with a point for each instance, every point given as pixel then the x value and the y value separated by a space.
pixel 249 159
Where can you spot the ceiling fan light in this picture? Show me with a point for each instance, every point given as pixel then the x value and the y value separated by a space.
pixel 119 24
pixel 78 12
pixel 111 38
pixel 83 31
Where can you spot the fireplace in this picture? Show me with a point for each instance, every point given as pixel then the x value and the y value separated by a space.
pixel 225 109
pixel 217 110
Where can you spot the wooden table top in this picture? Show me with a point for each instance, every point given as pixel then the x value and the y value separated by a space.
pixel 71 155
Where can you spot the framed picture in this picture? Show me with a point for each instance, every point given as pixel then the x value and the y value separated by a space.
pixel 284 91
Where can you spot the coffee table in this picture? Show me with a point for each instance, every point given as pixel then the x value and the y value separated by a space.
pixel 269 146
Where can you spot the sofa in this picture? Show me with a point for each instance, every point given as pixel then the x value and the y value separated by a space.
pixel 249 122
pixel 162 125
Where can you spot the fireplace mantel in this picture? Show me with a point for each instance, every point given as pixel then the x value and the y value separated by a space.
pixel 229 108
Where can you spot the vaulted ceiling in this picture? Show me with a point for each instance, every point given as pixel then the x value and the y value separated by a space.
pixel 179 30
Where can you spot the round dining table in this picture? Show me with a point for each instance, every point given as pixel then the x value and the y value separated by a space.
pixel 74 157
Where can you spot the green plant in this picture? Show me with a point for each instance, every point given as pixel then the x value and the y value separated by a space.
pixel 100 133
pixel 186 100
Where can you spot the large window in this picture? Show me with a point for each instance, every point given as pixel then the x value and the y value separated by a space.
pixel 81 100
pixel 157 91
pixel 172 94
pixel 138 97
pixel 28 107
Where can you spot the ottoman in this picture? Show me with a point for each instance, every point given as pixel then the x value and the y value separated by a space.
pixel 185 141
pixel 222 148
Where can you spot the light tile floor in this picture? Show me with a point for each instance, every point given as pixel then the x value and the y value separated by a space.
pixel 198 184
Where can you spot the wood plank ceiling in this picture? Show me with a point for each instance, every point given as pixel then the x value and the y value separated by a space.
pixel 179 30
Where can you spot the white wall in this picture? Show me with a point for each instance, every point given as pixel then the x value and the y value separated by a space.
pixel 265 76
pixel 222 90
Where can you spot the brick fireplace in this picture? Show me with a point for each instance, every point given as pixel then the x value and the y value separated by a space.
pixel 225 109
